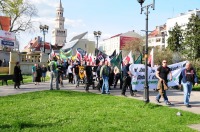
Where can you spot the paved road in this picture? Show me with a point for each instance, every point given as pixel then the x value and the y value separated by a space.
pixel 175 96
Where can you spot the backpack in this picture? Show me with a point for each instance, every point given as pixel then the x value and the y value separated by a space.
pixel 52 66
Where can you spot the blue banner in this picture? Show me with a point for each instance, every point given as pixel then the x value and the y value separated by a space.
pixel 8 43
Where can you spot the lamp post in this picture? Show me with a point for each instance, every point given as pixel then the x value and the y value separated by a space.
pixel 146 85
pixel 44 29
pixel 97 34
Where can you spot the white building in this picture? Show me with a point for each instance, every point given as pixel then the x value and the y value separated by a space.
pixel 181 20
pixel 157 37
pixel 117 42
pixel 59 34
pixel 80 41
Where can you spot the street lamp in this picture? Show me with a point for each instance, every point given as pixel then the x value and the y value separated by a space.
pixel 97 34
pixel 146 85
pixel 44 29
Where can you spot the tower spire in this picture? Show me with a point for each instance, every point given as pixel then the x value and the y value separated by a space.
pixel 60 4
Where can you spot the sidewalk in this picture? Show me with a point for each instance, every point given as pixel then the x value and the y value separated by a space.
pixel 174 96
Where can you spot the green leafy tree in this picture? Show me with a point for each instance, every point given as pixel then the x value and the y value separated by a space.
pixel 21 13
pixel 175 39
pixel 192 39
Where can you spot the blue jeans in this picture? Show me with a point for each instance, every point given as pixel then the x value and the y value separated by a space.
pixel 54 74
pixel 105 85
pixel 164 96
pixel 187 88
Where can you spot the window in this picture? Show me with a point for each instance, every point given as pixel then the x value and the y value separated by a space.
pixel 158 40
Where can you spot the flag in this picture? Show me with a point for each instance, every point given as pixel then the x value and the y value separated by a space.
pixel 52 54
pixel 68 53
pixel 74 57
pixel 129 57
pixel 62 55
pixel 113 54
pixel 81 51
pixel 138 60
pixel 151 58
pixel 117 60
pixel 78 55
pixel 100 53
pixel 85 57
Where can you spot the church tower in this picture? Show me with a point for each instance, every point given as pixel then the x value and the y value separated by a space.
pixel 59 33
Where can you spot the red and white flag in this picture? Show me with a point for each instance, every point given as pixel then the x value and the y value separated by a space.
pixel 129 57
pixel 52 54
pixel 151 58
pixel 78 55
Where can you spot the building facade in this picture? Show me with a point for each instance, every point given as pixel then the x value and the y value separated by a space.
pixel 59 34
pixel 117 42
pixel 182 20
pixel 157 37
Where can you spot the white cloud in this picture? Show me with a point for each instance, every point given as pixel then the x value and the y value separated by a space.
pixel 74 23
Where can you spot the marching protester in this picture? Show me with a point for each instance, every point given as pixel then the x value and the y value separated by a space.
pixel 53 73
pixel 126 79
pixel 76 72
pixel 70 72
pixel 88 76
pixel 81 74
pixel 44 71
pixel 104 74
pixel 188 78
pixel 100 81
pixel 117 76
pixel 38 75
pixel 111 75
pixel 33 72
pixel 60 72
pixel 162 73
pixel 17 76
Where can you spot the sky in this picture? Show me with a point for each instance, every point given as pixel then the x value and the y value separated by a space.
pixel 111 17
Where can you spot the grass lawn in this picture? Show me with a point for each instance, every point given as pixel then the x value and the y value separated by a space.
pixel 26 79
pixel 196 88
pixel 65 111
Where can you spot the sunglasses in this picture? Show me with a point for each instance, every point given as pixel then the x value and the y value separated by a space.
pixel 164 62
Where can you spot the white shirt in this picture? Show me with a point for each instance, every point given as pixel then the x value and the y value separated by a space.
pixel 69 70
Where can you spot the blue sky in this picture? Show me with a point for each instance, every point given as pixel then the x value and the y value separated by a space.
pixel 109 16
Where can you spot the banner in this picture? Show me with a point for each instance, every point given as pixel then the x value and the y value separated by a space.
pixel 138 78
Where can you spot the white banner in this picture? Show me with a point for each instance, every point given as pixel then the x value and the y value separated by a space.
pixel 7 39
pixel 138 78
pixel 5 35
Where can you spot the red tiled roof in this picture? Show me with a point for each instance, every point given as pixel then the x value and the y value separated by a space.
pixel 5 23
pixel 34 44
pixel 154 33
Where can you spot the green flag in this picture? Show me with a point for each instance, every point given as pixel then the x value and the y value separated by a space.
pixel 138 60
pixel 68 53
pixel 119 61
pixel 113 60
pixel 116 61
pixel 62 55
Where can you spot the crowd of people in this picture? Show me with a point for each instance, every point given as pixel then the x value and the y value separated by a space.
pixel 85 72
pixel 106 76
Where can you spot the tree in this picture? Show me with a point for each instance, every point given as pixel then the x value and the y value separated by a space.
pixel 21 13
pixel 175 39
pixel 136 46
pixel 192 39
